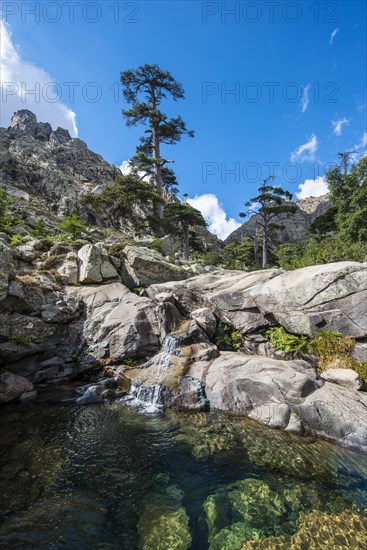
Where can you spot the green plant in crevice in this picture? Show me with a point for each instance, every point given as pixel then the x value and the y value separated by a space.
pixel 226 338
pixel 285 341
pixel 157 245
pixel 130 362
pixel 21 340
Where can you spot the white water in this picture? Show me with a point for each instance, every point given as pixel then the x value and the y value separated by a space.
pixel 149 398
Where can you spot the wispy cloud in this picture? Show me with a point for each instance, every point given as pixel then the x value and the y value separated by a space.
pixel 306 151
pixel 312 188
pixel 332 36
pixel 15 71
pixel 360 148
pixel 305 100
pixel 338 125
pixel 214 214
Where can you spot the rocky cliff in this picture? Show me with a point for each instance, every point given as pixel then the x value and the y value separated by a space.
pixel 49 164
pixel 296 227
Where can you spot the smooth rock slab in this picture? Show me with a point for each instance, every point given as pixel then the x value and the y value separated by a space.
pixel 343 377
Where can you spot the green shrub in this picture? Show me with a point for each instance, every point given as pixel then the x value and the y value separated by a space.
pixel 314 252
pixel 226 338
pixel 39 230
pixel 21 340
pixel 17 240
pixel 6 219
pixel 73 226
pixel 213 258
pixel 157 245
pixel 283 340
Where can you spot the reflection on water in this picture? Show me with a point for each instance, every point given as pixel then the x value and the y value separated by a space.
pixel 110 477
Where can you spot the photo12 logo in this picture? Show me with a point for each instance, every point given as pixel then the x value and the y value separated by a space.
pixel 270 92
pixel 53 92
pixel 269 11
pixel 254 172
pixel 70 12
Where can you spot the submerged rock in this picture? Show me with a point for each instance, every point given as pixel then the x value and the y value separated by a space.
pixel 164 524
pixel 319 530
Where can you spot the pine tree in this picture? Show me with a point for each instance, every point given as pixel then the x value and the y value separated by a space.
pixel 145 88
pixel 183 216
pixel 269 203
pixel 349 195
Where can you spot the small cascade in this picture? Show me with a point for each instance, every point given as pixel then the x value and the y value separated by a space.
pixel 150 397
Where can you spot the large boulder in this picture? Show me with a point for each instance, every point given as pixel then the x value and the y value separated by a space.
pixel 119 324
pixel 12 386
pixel 344 377
pixel 150 267
pixel 328 297
pixel 95 265
pixel 284 394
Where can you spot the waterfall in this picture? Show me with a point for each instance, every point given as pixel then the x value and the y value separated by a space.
pixel 149 398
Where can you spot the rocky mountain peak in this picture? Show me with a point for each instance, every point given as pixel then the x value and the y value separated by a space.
pixel 49 164
pixel 311 205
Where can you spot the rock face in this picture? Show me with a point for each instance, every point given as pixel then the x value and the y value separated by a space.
pixel 296 226
pixel 119 323
pixel 49 163
pixel 304 301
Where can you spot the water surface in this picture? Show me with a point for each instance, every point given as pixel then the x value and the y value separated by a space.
pixel 103 477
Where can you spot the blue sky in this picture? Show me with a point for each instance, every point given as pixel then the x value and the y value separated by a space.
pixel 296 71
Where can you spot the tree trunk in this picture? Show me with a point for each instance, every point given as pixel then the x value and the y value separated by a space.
pixel 157 158
pixel 157 169
pixel 186 241
pixel 256 248
pixel 265 252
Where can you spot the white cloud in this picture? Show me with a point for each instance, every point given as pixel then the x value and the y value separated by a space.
pixel 312 188
pixel 18 76
pixel 306 151
pixel 360 149
pixel 126 169
pixel 332 36
pixel 338 125
pixel 214 215
pixel 305 100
